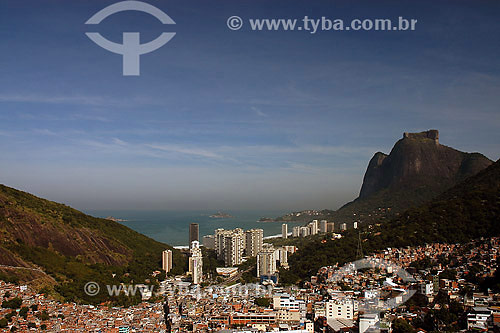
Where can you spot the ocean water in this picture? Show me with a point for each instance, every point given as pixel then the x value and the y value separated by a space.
pixel 172 227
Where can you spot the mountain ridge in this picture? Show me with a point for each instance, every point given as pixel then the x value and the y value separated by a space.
pixel 419 158
pixel 72 247
pixel 469 210
pixel 417 169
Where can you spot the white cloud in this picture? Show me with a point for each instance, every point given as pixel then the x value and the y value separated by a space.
pixel 88 100
pixel 45 131
pixel 185 150
pixel 259 112
pixel 119 142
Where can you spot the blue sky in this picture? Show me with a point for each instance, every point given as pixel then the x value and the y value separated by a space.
pixel 223 119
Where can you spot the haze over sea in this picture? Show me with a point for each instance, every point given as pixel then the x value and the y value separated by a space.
pixel 172 227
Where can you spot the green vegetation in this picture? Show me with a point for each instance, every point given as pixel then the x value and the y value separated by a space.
pixel 44 315
pixel 297 241
pixel 210 261
pixel 8 278
pixel 24 312
pixel 468 211
pixel 262 301
pixel 249 271
pixel 14 303
pixel 74 248
pixel 401 326
pixel 449 274
pixel 450 318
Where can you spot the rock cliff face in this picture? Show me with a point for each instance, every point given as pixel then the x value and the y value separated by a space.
pixel 419 161
pixel 417 170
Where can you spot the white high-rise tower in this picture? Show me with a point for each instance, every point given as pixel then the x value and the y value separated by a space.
pixel 284 230
pixel 167 261
pixel 196 263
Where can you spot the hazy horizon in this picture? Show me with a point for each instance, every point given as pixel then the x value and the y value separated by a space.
pixel 232 120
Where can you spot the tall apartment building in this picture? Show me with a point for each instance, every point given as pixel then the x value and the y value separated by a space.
pixel 196 263
pixel 331 227
pixel 233 249
pixel 313 227
pixel 167 261
pixel 323 226
pixel 284 230
pixel 296 231
pixel 266 261
pixel 209 242
pixel 343 227
pixel 281 254
pixel 194 233
pixel 254 240
pixel 219 242
pixel 304 231
pixel 229 245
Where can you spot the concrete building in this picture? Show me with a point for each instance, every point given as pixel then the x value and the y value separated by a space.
pixel 343 227
pixel 209 242
pixel 196 263
pixel 304 231
pixel 355 225
pixel 281 254
pixel 285 301
pixel 367 320
pixel 284 230
pixel 426 288
pixel 296 231
pixel 288 316
pixel 313 227
pixel 341 308
pixel 233 248
pixel 330 227
pixel 167 261
pixel 227 272
pixel 340 325
pixel 266 261
pixel 230 245
pixel 194 233
pixel 478 318
pixel 323 226
pixel 309 326
pixel 219 242
pixel 254 241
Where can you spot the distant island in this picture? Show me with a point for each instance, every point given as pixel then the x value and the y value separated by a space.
pixel 221 215
pixel 114 219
